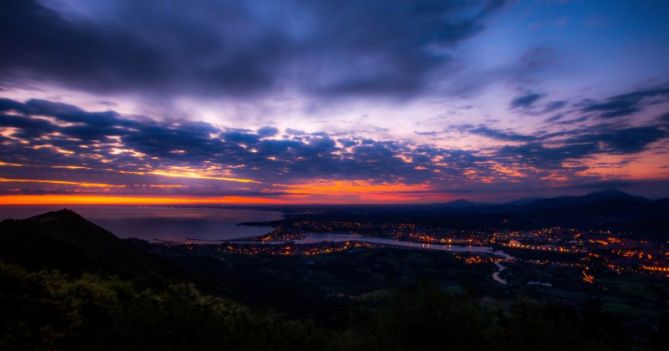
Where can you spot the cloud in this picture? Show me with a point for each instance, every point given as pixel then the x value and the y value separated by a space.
pixel 525 101
pixel 553 106
pixel 267 131
pixel 623 140
pixel 428 133
pixel 492 133
pixel 628 103
pixel 580 144
pixel 236 48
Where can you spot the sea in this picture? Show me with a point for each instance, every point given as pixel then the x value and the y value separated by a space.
pixel 162 223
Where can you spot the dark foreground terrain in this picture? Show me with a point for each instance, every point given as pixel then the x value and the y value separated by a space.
pixel 67 284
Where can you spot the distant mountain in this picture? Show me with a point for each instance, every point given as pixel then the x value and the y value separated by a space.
pixel 66 241
pixel 565 201
pixel 462 203
pixel 522 202
pixel 613 210
pixel 605 199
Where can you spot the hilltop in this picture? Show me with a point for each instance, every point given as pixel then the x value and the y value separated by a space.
pixel 66 241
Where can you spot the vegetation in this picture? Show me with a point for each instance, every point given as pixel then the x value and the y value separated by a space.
pixel 50 310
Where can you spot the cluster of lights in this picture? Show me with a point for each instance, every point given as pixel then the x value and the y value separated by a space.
pixel 655 268
pixel 517 245
pixel 293 250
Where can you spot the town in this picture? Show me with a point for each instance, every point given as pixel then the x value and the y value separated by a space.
pixel 589 250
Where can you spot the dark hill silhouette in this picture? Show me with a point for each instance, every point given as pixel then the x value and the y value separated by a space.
pixel 606 210
pixel 461 203
pixel 566 201
pixel 66 241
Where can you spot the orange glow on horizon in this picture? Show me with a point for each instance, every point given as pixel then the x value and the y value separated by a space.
pixel 319 192
pixel 67 199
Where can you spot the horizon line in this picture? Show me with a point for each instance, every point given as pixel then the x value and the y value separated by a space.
pixel 229 200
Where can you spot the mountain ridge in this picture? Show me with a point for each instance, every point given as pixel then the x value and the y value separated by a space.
pixel 66 241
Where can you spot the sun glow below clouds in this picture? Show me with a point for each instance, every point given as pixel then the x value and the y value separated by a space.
pixel 360 191
pixel 339 187
pixel 61 182
pixel 67 199
pixel 317 192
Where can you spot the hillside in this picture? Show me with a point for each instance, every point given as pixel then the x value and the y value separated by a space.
pixel 66 241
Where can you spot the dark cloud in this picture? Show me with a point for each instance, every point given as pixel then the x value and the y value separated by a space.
pixel 525 101
pixel 553 106
pixel 572 121
pixel 554 118
pixel 235 47
pixel 626 104
pixel 294 131
pixel 664 117
pixel 584 143
pixel 497 134
pixel 427 133
pixel 624 140
pixel 8 105
pixel 538 155
pixel 267 131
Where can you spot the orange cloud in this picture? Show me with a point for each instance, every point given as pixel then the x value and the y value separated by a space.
pixel 643 166
pixel 191 173
pixel 351 187
pixel 10 164
pixel 360 191
pixel 61 182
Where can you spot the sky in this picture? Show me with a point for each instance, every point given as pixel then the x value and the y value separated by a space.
pixel 318 101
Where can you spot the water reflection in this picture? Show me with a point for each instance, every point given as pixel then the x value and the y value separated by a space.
pixel 165 223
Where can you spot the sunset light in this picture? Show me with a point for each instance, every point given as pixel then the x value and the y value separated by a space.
pixel 128 200
pixel 401 175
